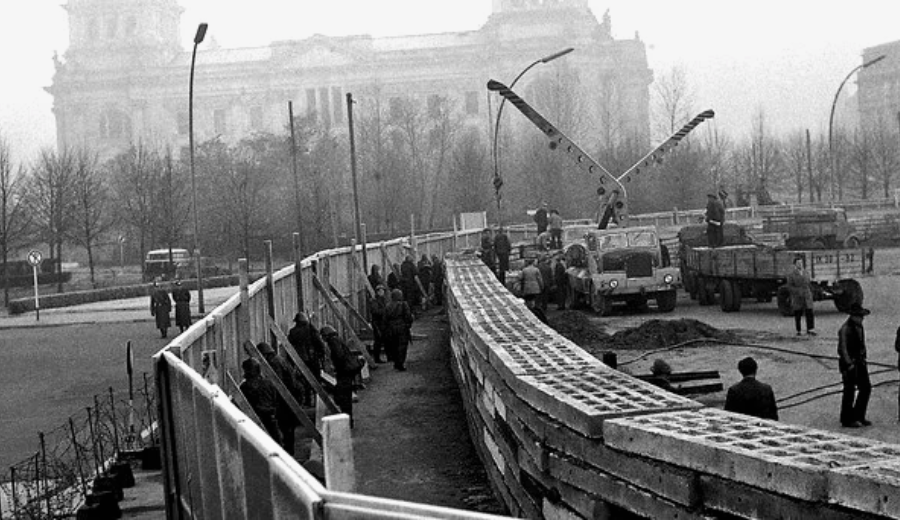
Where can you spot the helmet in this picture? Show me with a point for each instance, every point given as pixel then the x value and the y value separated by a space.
pixel 265 349
pixel 327 331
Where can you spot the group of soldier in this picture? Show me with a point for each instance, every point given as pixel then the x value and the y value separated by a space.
pixel 161 307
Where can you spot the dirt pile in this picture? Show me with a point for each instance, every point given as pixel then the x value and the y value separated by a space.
pixel 653 334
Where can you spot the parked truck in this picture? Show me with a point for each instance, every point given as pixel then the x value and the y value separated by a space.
pixel 747 270
pixel 813 228
pixel 627 265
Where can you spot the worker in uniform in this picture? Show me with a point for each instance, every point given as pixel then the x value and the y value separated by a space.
pixel 715 219
pixel 854 370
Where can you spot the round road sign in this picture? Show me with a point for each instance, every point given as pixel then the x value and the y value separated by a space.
pixel 35 257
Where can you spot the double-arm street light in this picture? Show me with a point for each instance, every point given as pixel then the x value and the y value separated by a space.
pixel 831 118
pixel 201 33
pixel 498 181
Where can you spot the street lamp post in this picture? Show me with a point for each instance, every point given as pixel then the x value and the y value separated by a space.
pixel 201 33
pixel 498 182
pixel 831 119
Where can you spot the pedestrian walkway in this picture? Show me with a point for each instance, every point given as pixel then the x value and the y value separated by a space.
pixel 113 311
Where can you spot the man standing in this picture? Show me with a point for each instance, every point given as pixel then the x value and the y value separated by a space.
pixel 310 347
pixel 854 371
pixel 182 298
pixel 161 309
pixel 292 379
pixel 749 396
pixel 715 218
pixel 555 223
pixel 798 284
pixel 487 249
pixel 346 367
pixel 540 218
pixel 261 395
pixel 503 248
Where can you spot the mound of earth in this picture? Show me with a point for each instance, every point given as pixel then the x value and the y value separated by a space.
pixel 652 334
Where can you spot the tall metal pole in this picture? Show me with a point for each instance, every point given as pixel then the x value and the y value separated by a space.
pixel 201 33
pixel 498 181
pixel 831 119
pixel 296 173
pixel 353 172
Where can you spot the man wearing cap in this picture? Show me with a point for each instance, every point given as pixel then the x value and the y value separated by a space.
pixel 854 371
pixel 261 395
pixel 309 345
pixel 715 218
pixel 749 396
pixel 293 380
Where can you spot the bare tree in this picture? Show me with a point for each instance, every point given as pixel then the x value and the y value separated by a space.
pixel 14 217
pixel 796 161
pixel 90 205
pixel 50 192
pixel 762 161
pixel 885 157
pixel 861 161
pixel 673 101
pixel 134 183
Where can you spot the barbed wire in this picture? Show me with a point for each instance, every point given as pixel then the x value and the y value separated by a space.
pixel 55 480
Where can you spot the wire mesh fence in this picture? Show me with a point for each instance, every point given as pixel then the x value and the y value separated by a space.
pixel 54 480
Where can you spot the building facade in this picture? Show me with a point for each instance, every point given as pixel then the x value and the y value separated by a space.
pixel 879 87
pixel 124 77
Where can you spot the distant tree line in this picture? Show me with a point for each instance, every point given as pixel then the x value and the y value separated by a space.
pixel 417 159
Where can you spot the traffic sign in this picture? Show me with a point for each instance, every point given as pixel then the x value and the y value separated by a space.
pixel 35 257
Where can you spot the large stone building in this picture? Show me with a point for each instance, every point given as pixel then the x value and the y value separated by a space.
pixel 125 74
pixel 879 87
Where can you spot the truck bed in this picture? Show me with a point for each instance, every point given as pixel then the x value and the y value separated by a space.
pixel 757 262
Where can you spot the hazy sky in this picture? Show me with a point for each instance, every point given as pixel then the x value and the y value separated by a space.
pixel 785 57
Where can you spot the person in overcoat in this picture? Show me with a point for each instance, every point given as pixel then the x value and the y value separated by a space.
pixel 398 323
pixel 502 248
pixel 749 396
pixel 798 285
pixel 182 298
pixel 161 308
pixel 854 369
pixel 715 219
pixel 532 283
pixel 408 284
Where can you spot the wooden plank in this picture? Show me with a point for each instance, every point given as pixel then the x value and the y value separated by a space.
pixel 307 373
pixel 337 453
pixel 356 342
pixel 350 307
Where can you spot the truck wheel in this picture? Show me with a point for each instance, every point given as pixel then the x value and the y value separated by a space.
pixel 704 295
pixel 784 301
pixel 846 293
pixel 730 293
pixel 819 243
pixel 571 298
pixel 665 300
pixel 600 304
pixel 851 243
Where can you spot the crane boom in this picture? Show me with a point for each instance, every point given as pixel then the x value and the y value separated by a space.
pixel 613 202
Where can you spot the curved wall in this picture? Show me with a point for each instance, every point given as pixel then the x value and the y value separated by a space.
pixel 564 436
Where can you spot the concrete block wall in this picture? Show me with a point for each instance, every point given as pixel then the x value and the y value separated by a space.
pixel 563 436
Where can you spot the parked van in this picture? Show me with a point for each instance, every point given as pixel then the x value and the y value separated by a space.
pixel 818 228
pixel 160 264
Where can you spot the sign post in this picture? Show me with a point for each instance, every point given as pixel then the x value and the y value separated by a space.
pixel 34 258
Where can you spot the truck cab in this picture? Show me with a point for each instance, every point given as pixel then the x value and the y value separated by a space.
pixel 627 265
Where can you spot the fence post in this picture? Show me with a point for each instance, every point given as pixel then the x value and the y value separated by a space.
pixel 337 453
pixel 351 280
pixel 455 235
pixel 298 273
pixel 244 309
pixel 270 290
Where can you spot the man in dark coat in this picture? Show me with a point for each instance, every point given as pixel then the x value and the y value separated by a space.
pixel 502 248
pixel 377 306
pixel 715 219
pixel 541 218
pixel 261 395
pixel 182 298
pixel 161 308
pixel 345 363
pixel 398 321
pixel 749 396
pixel 854 370
pixel 309 346
pixel 292 379
pixel 562 282
pixel 487 249
pixel 408 274
pixel 425 272
pixel 437 279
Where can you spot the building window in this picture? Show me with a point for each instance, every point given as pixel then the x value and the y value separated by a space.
pixel 256 118
pixel 337 104
pixel 472 103
pixel 435 103
pixel 219 122
pixel 396 108
pixel 311 102
pixel 326 114
pixel 183 124
pixel 112 27
pixel 114 125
